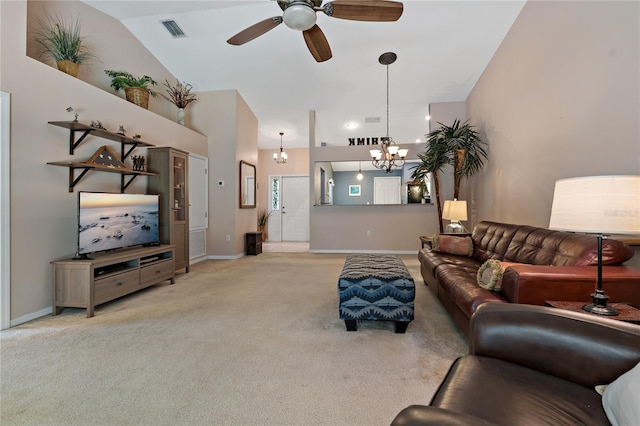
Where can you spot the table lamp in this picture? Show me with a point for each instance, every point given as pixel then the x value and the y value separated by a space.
pixel 455 211
pixel 600 205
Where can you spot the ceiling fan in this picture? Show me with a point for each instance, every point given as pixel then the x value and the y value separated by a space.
pixel 301 15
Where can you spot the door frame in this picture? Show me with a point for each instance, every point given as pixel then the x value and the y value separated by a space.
pixel 274 226
pixel 5 211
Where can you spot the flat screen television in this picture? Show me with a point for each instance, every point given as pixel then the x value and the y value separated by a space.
pixel 108 221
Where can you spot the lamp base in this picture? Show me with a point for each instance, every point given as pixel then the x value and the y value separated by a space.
pixel 599 305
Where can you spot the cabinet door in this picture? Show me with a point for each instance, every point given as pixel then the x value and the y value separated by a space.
pixel 179 188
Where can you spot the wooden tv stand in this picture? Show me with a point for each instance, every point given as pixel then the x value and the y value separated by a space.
pixel 85 283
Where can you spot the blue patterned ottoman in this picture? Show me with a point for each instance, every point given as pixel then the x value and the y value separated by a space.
pixel 376 287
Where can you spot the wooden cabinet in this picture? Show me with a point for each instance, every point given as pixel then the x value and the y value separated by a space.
pixel 86 283
pixel 170 181
pixel 254 242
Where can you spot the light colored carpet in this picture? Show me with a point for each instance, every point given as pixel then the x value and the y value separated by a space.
pixel 254 341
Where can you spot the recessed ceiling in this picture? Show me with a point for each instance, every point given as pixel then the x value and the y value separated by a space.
pixel 442 46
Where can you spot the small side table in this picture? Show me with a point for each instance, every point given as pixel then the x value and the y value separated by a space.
pixel 254 242
pixel 426 241
pixel 628 313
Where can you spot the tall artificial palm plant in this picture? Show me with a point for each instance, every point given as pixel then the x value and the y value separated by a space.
pixel 458 145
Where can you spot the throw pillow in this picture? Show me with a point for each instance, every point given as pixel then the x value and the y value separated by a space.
pixel 620 399
pixel 490 274
pixel 462 246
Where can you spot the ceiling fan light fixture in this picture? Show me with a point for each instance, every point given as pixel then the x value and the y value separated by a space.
pixel 299 17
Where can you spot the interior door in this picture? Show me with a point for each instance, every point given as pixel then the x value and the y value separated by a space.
pixel 387 190
pixel 295 208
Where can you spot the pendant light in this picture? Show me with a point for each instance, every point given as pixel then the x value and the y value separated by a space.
pixel 359 176
pixel 283 155
pixel 390 156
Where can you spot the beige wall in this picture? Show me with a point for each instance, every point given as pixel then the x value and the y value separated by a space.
pixel 560 98
pixel 232 131
pixel 43 212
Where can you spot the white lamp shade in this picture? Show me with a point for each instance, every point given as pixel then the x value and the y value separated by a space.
pixel 393 149
pixel 403 152
pixel 376 154
pixel 598 204
pixel 454 210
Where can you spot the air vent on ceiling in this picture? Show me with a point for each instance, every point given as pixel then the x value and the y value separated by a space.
pixel 173 28
pixel 372 119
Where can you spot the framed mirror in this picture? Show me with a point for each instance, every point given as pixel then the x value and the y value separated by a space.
pixel 247 185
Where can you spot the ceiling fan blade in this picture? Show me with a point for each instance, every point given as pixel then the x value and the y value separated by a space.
pixel 364 10
pixel 255 30
pixel 317 44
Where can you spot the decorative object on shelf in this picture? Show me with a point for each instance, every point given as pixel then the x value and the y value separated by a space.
pixel 70 109
pixel 136 136
pixel 136 89
pixel 455 211
pixel 458 145
pixel 282 158
pixel 600 205
pixel 138 163
pixel 263 219
pixel 97 124
pixel 61 41
pixel 121 130
pixel 390 156
pixel 105 157
pixel 180 95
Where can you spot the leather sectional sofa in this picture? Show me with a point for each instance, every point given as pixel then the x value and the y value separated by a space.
pixel 534 365
pixel 550 265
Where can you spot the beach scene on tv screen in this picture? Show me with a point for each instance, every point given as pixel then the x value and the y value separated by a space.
pixel 110 221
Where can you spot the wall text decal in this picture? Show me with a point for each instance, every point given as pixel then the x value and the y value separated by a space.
pixel 363 141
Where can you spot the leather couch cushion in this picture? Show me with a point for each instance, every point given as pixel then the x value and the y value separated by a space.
pixel 485 387
pixel 460 285
pixel 491 240
pixel 540 246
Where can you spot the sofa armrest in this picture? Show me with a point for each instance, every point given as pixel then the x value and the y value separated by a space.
pixel 579 347
pixel 533 284
pixel 422 415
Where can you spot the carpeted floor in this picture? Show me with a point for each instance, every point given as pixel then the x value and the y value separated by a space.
pixel 254 341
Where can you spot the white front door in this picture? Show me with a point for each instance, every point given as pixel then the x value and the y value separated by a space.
pixel 295 208
pixel 387 190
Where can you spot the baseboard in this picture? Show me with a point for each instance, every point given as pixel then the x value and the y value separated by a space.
pixel 31 316
pixel 364 251
pixel 215 257
pixel 197 260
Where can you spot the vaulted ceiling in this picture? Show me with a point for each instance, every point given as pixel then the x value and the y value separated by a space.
pixel 442 48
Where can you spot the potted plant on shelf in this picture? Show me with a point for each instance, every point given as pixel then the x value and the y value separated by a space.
pixel 136 89
pixel 263 218
pixel 61 41
pixel 180 95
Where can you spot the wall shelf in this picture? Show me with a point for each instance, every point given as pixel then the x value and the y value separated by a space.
pixel 86 167
pixel 84 130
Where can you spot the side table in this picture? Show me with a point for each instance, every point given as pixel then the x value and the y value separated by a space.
pixel 628 313
pixel 426 241
pixel 254 242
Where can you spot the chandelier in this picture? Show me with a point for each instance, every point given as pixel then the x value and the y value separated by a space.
pixel 283 155
pixel 390 156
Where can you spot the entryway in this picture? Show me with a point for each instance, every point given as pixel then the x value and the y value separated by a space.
pixel 289 204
